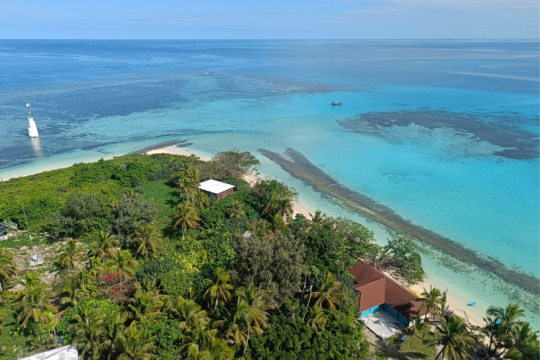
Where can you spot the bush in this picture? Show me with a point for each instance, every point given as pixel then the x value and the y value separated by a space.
pixel 108 310
pixel 117 286
pixel 128 171
pixel 288 339
pixel 130 212
pixel 333 245
pixel 274 263
pixel 82 213
pixel 179 271
pixel 167 336
pixel 37 209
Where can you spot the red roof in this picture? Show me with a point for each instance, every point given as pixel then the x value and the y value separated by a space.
pixel 395 295
pixel 365 274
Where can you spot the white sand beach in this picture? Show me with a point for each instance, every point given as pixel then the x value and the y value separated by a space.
pixel 299 208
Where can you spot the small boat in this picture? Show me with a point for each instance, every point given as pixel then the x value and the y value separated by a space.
pixel 336 103
pixel 473 303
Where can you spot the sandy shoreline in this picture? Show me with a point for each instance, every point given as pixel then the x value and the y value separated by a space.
pixel 457 306
pixel 299 208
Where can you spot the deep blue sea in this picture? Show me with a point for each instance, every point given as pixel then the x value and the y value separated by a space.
pixel 446 133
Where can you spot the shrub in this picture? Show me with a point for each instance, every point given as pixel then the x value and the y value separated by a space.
pixel 167 335
pixel 130 212
pixel 108 309
pixel 81 214
pixel 117 286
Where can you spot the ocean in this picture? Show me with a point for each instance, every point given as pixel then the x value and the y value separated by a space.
pixel 445 133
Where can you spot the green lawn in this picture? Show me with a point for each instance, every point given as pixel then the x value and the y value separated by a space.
pixel 16 242
pixel 414 349
pixel 7 342
pixel 166 199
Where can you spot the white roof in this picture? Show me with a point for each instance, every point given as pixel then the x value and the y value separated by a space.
pixel 63 353
pixel 214 187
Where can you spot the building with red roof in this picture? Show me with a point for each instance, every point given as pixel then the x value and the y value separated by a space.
pixel 379 292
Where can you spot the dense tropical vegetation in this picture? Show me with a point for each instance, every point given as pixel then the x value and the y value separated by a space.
pixel 151 267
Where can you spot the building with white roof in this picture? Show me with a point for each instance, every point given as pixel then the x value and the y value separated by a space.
pixel 62 353
pixel 216 188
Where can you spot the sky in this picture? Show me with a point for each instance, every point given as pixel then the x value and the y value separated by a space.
pixel 275 19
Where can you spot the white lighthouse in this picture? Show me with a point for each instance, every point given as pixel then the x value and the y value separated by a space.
pixel 32 129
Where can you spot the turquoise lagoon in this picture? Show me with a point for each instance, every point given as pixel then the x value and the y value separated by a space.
pixel 455 153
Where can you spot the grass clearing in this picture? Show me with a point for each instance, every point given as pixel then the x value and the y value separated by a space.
pixel 414 349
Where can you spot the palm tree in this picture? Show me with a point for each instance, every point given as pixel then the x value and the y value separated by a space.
pixel 492 330
pixel 219 350
pixel 214 349
pixel 144 307
pixel 317 319
pixel 219 288
pixel 149 238
pixel 8 268
pixel 135 344
pixel 240 323
pixel 272 205
pixel 94 265
pixel 123 262
pixel 455 339
pixel 318 217
pixel 186 216
pixel 73 293
pixel 236 209
pixel 419 325
pixel 278 224
pixel 150 286
pixel 261 228
pixel 507 318
pixel 112 202
pixel 328 292
pixel 3 315
pixel 202 201
pixel 32 302
pixel 279 202
pixel 189 314
pixel 188 187
pixel 106 246
pixel 524 343
pixel 90 327
pixel 132 195
pixel 71 255
pixel 86 282
pixel 258 300
pixel 431 301
pixel 196 339
pixel 114 330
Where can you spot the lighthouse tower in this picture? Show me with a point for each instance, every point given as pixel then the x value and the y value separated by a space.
pixel 32 129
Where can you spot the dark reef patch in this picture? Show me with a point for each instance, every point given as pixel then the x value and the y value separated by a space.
pixel 300 167
pixel 502 130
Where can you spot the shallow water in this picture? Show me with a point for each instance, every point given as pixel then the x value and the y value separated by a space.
pixel 455 153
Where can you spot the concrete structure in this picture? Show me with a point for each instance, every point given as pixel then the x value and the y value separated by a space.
pixel 32 128
pixel 216 188
pixel 63 353
pixel 383 324
pixel 378 292
pixel 36 259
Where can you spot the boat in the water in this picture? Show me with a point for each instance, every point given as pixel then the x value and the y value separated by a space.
pixel 336 103
pixel 472 303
